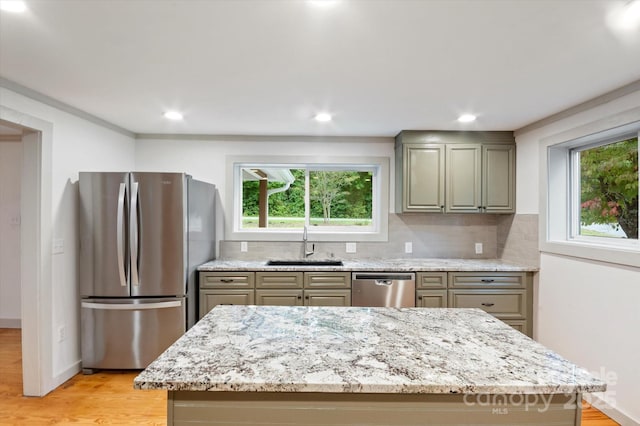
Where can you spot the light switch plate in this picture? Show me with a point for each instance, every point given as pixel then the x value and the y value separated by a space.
pixel 350 247
pixel 408 247
pixel 478 248
pixel 244 247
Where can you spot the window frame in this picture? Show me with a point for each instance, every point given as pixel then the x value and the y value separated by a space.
pixel 379 166
pixel 558 192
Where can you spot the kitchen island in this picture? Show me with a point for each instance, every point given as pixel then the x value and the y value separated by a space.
pixel 292 365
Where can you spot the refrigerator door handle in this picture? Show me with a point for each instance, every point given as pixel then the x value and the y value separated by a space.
pixel 132 307
pixel 120 235
pixel 133 234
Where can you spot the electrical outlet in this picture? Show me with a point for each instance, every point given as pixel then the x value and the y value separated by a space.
pixel 408 247
pixel 350 247
pixel 62 333
pixel 244 247
pixel 478 248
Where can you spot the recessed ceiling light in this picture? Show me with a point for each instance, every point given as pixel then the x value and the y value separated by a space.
pixel 630 15
pixel 13 5
pixel 323 117
pixel 173 115
pixel 466 118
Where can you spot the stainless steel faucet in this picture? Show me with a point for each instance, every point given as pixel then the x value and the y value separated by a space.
pixel 307 253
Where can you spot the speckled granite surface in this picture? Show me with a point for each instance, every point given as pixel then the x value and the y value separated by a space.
pixel 453 265
pixel 367 350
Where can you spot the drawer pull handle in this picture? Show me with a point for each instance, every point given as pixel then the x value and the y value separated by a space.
pixel 226 280
pixel 419 297
pixel 487 304
pixel 487 280
pixel 306 297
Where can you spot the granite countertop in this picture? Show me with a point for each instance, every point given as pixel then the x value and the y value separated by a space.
pixel 360 350
pixel 392 265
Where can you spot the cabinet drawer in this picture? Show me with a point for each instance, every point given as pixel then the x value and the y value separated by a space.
pixel 431 298
pixel 327 279
pixel 431 280
pixel 211 298
pixel 278 280
pixel 279 297
pixel 327 297
pixel 503 304
pixel 487 280
pixel 227 279
pixel 520 325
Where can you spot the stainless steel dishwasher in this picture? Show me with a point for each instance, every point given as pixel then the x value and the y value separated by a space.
pixel 397 289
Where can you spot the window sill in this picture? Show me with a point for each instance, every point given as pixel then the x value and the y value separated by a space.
pixel 627 255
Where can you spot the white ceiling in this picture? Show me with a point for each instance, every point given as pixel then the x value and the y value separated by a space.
pixel 265 67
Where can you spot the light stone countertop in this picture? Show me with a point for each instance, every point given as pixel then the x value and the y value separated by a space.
pixel 360 350
pixel 391 265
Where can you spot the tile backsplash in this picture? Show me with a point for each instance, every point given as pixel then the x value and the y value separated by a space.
pixel 431 235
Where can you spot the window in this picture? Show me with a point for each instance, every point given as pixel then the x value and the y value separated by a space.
pixel 589 205
pixel 337 200
pixel 605 190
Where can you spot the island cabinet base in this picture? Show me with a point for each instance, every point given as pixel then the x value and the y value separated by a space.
pixel 264 408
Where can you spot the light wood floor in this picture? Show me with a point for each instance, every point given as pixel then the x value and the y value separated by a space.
pixel 102 398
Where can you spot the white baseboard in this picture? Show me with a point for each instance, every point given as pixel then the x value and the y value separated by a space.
pixel 10 323
pixel 66 374
pixel 610 411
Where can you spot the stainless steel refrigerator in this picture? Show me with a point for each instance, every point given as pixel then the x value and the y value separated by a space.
pixel 142 235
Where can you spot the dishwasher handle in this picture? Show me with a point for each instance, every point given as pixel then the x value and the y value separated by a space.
pixel 384 277
pixel 384 282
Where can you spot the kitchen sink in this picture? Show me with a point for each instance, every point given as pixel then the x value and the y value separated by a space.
pixel 304 262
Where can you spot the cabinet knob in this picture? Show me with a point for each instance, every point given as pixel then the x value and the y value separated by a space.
pixel 419 297
pixel 306 297
pixel 299 297
pixel 487 304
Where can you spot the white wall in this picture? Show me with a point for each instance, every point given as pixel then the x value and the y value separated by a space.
pixel 206 159
pixel 587 311
pixel 77 145
pixel 10 178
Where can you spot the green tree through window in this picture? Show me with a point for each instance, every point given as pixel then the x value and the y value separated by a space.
pixel 609 187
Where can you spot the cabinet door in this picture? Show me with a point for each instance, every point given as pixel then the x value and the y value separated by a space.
pixel 464 178
pixel 327 297
pixel 284 297
pixel 498 178
pixel 211 298
pixel 431 298
pixel 423 178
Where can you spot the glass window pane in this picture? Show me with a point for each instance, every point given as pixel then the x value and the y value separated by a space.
pixel 272 197
pixel 340 198
pixel 609 190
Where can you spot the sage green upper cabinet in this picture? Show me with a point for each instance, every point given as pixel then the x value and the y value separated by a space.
pixel 464 162
pixel 423 177
pixel 498 178
pixel 455 172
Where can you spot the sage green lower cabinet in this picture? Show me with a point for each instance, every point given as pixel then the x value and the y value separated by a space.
pixel 505 295
pixel 279 297
pixel 327 297
pixel 278 280
pixel 224 288
pixel 431 298
pixel 503 304
pixel 321 280
pixel 209 299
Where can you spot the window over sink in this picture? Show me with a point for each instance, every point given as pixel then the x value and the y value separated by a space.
pixel 336 199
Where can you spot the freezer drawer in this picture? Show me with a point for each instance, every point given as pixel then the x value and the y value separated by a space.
pixel 129 333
